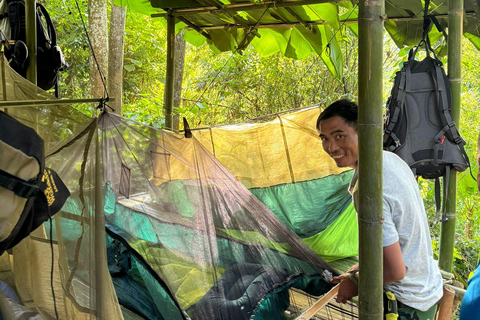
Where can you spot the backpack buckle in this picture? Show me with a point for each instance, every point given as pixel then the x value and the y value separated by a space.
pixel 26 190
pixel 458 140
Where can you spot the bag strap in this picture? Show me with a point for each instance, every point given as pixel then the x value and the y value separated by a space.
pixel 445 194
pixel 18 186
pixel 445 113
pixel 397 108
pixel 441 205
pixel 437 201
pixel 50 28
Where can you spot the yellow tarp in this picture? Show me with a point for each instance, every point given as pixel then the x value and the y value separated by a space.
pixel 284 150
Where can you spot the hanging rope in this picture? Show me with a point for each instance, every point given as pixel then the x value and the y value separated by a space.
pixel 102 77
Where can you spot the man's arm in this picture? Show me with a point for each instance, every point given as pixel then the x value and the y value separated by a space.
pixel 393 270
pixel 393 264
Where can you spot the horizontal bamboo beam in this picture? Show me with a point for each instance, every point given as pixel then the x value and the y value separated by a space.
pixel 303 22
pixel 459 292
pixel 194 27
pixel 318 23
pixel 29 103
pixel 247 6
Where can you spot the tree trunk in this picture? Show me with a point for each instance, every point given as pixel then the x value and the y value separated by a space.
pixel 97 22
pixel 177 85
pixel 115 56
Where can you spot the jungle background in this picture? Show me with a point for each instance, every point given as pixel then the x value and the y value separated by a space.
pixel 223 88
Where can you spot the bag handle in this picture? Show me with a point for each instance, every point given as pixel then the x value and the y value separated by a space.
pixel 425 41
pixel 50 29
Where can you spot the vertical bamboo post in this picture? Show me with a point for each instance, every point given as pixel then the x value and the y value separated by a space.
pixel 445 306
pixel 455 28
pixel 31 37
pixel 170 75
pixel 101 284
pixel 370 176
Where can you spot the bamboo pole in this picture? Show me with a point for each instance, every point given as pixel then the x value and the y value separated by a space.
pixel 445 306
pixel 455 27
pixel 246 6
pixel 169 78
pixel 29 103
pixel 370 176
pixel 310 312
pixel 31 30
pixel 101 284
pixel 468 14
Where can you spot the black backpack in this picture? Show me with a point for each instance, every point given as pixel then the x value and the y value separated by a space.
pixel 418 122
pixel 49 56
pixel 29 193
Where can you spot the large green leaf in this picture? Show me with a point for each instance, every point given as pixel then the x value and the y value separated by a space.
pixel 194 38
pixel 297 47
pixel 267 44
pixel 332 57
pixel 140 6
pixel 474 39
pixel 326 11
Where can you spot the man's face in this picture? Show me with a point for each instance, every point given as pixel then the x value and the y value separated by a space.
pixel 340 141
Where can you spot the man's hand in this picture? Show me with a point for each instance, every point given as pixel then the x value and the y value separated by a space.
pixel 347 289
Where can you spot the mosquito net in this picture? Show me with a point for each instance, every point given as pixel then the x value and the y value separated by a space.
pixel 184 238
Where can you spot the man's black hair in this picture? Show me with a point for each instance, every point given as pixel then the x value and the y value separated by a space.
pixel 344 108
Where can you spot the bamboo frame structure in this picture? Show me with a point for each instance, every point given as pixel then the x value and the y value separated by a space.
pixel 246 6
pixel 310 312
pixel 370 143
pixel 310 23
pixel 31 38
pixel 169 78
pixel 30 103
pixel 455 22
pixel 99 234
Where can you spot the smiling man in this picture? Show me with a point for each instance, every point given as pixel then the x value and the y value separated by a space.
pixel 409 271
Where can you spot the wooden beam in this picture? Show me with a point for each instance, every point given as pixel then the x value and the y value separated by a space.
pixel 191 25
pixel 319 23
pixel 455 31
pixel 304 23
pixel 247 6
pixel 31 39
pixel 310 312
pixel 169 77
pixel 369 200
pixel 29 103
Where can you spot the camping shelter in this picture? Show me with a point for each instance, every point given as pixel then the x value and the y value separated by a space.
pixel 296 28
pixel 184 237
pixel 370 22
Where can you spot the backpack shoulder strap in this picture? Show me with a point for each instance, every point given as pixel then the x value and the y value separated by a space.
pixel 398 107
pixel 445 115
pixel 18 186
pixel 50 28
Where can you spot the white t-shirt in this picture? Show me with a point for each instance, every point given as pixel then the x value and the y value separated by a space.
pixel 405 221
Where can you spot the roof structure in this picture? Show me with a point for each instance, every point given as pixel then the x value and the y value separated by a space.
pixel 297 28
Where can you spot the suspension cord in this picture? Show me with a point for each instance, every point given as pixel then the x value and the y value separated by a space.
pixel 102 77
